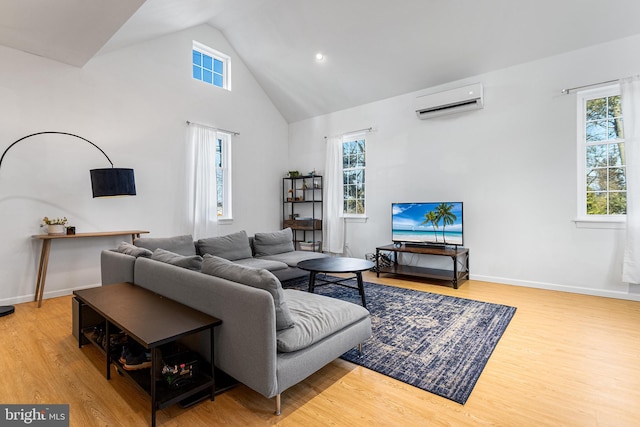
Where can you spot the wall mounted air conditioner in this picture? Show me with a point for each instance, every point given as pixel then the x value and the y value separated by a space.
pixel 450 101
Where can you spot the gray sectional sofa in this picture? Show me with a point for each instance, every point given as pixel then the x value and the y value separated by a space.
pixel 270 338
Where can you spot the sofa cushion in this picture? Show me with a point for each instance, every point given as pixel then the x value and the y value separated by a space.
pixel 267 264
pixel 273 243
pixel 257 278
pixel 182 245
pixel 192 262
pixel 129 249
pixel 293 258
pixel 232 246
pixel 316 317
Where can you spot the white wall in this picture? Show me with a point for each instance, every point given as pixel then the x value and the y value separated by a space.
pixel 513 164
pixel 133 103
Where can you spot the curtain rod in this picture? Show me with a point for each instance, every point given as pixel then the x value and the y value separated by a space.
pixel 214 128
pixel 566 91
pixel 369 129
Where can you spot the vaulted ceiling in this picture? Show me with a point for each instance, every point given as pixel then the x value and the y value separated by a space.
pixel 373 49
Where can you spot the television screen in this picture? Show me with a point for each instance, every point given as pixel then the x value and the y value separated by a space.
pixel 438 223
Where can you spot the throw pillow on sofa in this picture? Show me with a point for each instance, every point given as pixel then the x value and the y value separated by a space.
pixel 182 245
pixel 257 278
pixel 273 243
pixel 232 246
pixel 129 249
pixel 191 262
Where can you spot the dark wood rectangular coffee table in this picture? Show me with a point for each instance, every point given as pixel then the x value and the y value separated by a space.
pixel 336 265
pixel 152 320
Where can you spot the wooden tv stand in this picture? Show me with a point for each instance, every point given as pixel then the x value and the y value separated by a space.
pixel 453 276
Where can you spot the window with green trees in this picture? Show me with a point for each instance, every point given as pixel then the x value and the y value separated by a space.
pixel 353 173
pixel 601 146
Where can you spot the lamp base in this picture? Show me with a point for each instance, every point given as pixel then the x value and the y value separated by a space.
pixel 5 310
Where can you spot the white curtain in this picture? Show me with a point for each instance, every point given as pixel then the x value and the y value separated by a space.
pixel 333 230
pixel 201 179
pixel 630 91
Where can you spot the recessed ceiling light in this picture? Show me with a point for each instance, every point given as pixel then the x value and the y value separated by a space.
pixel 319 57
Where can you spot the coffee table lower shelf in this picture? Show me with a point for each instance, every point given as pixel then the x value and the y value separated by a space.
pixel 201 388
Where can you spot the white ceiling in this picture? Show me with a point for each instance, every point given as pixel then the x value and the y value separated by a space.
pixel 374 49
pixel 69 31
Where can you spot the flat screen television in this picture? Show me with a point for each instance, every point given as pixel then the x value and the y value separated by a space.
pixel 427 223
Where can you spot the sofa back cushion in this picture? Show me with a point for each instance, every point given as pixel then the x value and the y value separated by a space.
pixel 257 278
pixel 273 243
pixel 182 245
pixel 232 246
pixel 192 262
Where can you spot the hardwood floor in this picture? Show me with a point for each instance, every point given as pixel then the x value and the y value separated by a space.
pixel 565 360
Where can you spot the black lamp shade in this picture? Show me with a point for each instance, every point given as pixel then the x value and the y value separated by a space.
pixel 112 182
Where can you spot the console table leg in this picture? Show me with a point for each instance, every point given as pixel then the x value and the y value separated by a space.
pixel 80 324
pixel 213 368
pixel 154 364
pixel 107 333
pixel 42 271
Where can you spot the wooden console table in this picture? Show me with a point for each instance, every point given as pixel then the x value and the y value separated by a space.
pixel 152 320
pixel 46 249
pixel 450 276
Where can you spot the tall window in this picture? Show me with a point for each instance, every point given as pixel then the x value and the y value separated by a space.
pixel 353 173
pixel 223 175
pixel 603 189
pixel 211 66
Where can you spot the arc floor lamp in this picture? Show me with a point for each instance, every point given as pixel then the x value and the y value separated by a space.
pixel 106 182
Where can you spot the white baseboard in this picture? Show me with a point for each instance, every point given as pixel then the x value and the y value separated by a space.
pixel 47 295
pixel 560 288
pixel 632 296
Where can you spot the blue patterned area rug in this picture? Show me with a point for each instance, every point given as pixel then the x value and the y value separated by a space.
pixel 435 342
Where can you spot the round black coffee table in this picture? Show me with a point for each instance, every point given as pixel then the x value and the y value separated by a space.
pixel 336 265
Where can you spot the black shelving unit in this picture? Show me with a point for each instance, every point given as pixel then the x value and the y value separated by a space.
pixel 302 210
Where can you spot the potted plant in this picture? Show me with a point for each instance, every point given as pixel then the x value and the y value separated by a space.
pixel 55 225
